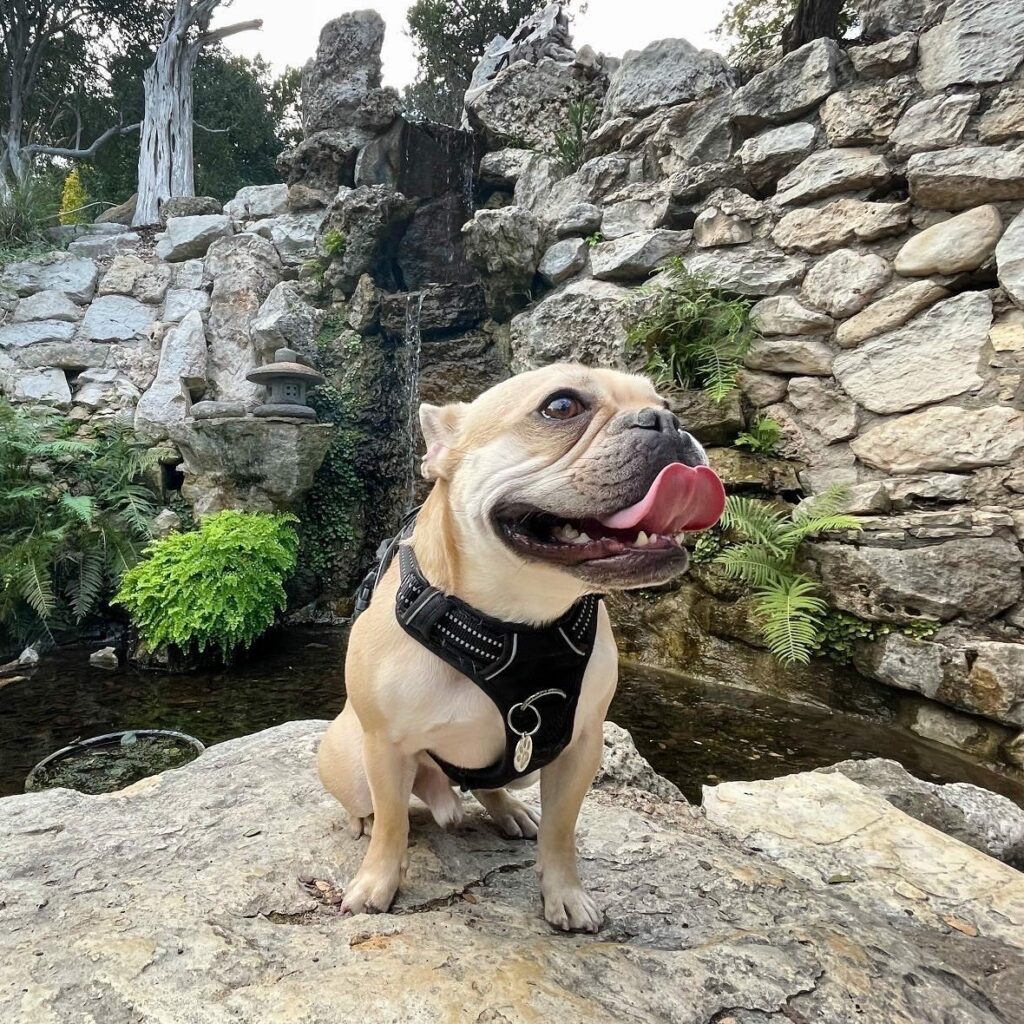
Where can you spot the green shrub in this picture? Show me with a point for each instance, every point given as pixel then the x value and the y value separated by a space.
pixel 571 141
pixel 221 585
pixel 763 437
pixel 27 209
pixel 333 243
pixel 73 200
pixel 74 515
pixel 689 334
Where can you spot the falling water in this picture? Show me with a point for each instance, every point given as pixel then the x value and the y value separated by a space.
pixel 413 343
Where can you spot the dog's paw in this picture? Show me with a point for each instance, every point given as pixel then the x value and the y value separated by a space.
pixel 515 819
pixel 571 908
pixel 370 892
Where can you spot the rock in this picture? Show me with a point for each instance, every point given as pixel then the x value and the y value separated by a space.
pixel 47 305
pixel 189 206
pixel 208 410
pixel 431 250
pixel 794 86
pixel 74 276
pixel 977 42
pixel 181 374
pixel 563 259
pixel 881 19
pixel 1005 118
pixel 583 320
pixel 117 318
pixel 505 246
pixel 935 356
pixel 972 578
pixel 665 73
pixel 959 244
pixel 47 387
pixel 578 219
pixel 864 114
pixel 286 320
pixel 28 658
pixel 676 138
pixel 844 281
pixel 364 306
pixel 768 156
pixel 963 177
pixel 784 314
pixel 766 868
pixel 294 235
pixel 935 123
pixel 889 312
pixel 38 332
pixel 103 246
pixel 761 389
pixel 636 256
pixel 189 238
pixel 63 354
pixel 790 355
pixel 935 487
pixel 691 184
pixel 966 733
pixel 831 171
pixel 437 310
pixel 255 202
pixel 165 523
pixel 502 167
pixel 105 390
pixel 182 301
pixel 996 681
pixel 130 275
pixel 709 421
pixel 323 162
pixel 633 215
pixel 754 270
pixel 123 214
pixel 833 415
pixel 1010 260
pixel 924 667
pixel 622 765
pixel 190 274
pixel 886 58
pixel 943 438
pixel 740 470
pixel 821 229
pixel 713 228
pixel 106 657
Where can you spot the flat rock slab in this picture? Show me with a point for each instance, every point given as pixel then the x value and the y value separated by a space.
pixel 208 894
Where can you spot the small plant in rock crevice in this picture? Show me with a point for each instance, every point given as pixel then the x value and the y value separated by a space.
pixel 595 239
pixel 762 438
pixel 689 334
pixel 333 243
pixel 571 141
pixel 840 632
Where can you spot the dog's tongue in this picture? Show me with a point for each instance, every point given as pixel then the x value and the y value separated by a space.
pixel 681 498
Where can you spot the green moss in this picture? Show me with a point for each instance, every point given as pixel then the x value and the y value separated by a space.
pixel 840 632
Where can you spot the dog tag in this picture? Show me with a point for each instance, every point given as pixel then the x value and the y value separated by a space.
pixel 524 751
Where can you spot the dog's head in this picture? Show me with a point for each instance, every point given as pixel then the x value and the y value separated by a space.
pixel 580 470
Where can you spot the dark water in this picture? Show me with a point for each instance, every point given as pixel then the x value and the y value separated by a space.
pixel 693 733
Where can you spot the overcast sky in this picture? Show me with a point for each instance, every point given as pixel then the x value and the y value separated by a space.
pixel 291 28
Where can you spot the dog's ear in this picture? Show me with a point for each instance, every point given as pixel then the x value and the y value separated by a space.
pixel 440 426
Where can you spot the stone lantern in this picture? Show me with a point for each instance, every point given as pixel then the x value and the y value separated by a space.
pixel 289 382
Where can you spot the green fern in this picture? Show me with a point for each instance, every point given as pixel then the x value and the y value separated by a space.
pixel 763 437
pixel 790 612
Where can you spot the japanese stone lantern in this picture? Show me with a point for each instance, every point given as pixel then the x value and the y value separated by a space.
pixel 288 382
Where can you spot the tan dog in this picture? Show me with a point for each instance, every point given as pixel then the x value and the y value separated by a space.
pixel 550 486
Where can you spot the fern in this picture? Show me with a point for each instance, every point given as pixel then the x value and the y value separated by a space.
pixel 790 613
pixel 763 437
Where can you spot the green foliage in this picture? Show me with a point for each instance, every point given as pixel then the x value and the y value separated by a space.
pixel 571 141
pixel 73 200
pixel 761 552
pixel 221 585
pixel 27 209
pixel 333 243
pixel 839 632
pixel 763 437
pixel 689 334
pixel 595 239
pixel 73 516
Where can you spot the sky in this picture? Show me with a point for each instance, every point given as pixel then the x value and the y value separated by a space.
pixel 291 28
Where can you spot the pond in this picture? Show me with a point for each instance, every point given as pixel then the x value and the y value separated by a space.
pixel 694 733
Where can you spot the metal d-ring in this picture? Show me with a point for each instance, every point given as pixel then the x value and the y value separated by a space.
pixel 528 705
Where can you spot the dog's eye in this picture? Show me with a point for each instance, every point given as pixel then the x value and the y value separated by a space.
pixel 562 407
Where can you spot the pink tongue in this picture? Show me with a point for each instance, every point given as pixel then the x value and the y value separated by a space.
pixel 681 498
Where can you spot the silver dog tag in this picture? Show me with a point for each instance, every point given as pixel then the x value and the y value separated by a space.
pixel 524 751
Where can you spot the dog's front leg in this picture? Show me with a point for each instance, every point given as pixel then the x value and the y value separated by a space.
pixel 563 785
pixel 390 774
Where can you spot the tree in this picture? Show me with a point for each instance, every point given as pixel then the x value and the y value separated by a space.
pixel 166 163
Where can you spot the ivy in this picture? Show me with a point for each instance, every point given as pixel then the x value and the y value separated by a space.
pixel 839 633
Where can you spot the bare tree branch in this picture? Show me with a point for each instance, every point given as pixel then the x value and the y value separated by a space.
pixel 212 131
pixel 229 30
pixel 81 154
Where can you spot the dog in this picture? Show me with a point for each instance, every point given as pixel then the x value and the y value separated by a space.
pixel 550 488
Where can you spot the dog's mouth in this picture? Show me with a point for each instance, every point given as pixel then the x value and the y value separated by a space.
pixel 681 500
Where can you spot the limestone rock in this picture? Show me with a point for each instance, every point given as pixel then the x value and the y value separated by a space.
pixel 1010 260
pixel 943 438
pixel 436 310
pixel 790 355
pixel 502 168
pixel 662 74
pixel 766 157
pixel 822 404
pixel 182 301
pixel 959 178
pixel 505 246
pixel 188 206
pixel 105 390
pixel 323 162
pixel 996 681
pixel 103 245
pixel 886 58
pixel 117 318
pixel 754 270
pixel 122 214
pixel 364 306
pixel 973 578
pixel 821 229
pixel 959 244
pixel 187 238
pixel 761 389
pixel 935 123
pixel 889 312
pixel 713 227
pixel 1005 118
pixel 254 202
pixel 784 314
pixel 709 421
pixel 978 41
pixel 864 114
pixel 925 667
pixel 797 84
pixel 831 171
pixel 47 387
pixel 294 235
pixel 578 219
pixel 636 256
pixel 686 135
pixel 844 281
pixel 563 259
pixel 37 332
pixel 632 215
pixel 881 19
pixel 286 320
pixel 181 374
pixel 190 274
pixel 47 305
pixel 74 276
pixel 935 356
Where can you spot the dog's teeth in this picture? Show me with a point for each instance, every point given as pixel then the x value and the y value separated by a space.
pixel 680 537
pixel 569 531
pixel 581 539
pixel 641 540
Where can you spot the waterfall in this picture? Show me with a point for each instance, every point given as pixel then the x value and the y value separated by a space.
pixel 413 343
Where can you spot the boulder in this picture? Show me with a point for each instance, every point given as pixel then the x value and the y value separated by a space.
pixel 62 353
pixel 713 227
pixel 103 246
pixel 1010 260
pixel 664 73
pixel 768 156
pixel 189 206
pixel 47 305
pixel 286 320
pixel 943 438
pixel 187 238
pixel 181 376
pixel 636 256
pixel 753 270
pixel 889 312
pixel 794 86
pixel 364 306
pixel 959 178
pixel 996 681
pixel 710 421
pixel 294 235
pixel 935 356
pixel 822 404
pixel 254 202
pixel 823 228
pixel 104 391
pixel 935 123
pixel 952 246
pixel 630 215
pixel 922 666
pixel 761 389
pixel 182 301
pixel 843 282
pixel 45 387
pixel 864 114
pixel 1005 118
pixel 882 19
pixel 886 58
pixel 321 163
pixel 784 314
pixel 790 355
pixel 130 275
pixel 970 578
pixel 563 259
pixel 502 168
pixel 578 219
pixel 122 214
pixel 436 310
pixel 505 246
pixel 74 276
pixel 831 171
pixel 117 318
pixel 676 138
pixel 977 42
pixel 190 274
pixel 36 332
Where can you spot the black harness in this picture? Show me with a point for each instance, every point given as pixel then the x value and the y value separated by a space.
pixel 533 675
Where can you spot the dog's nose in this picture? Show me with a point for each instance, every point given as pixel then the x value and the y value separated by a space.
pixel 662 420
